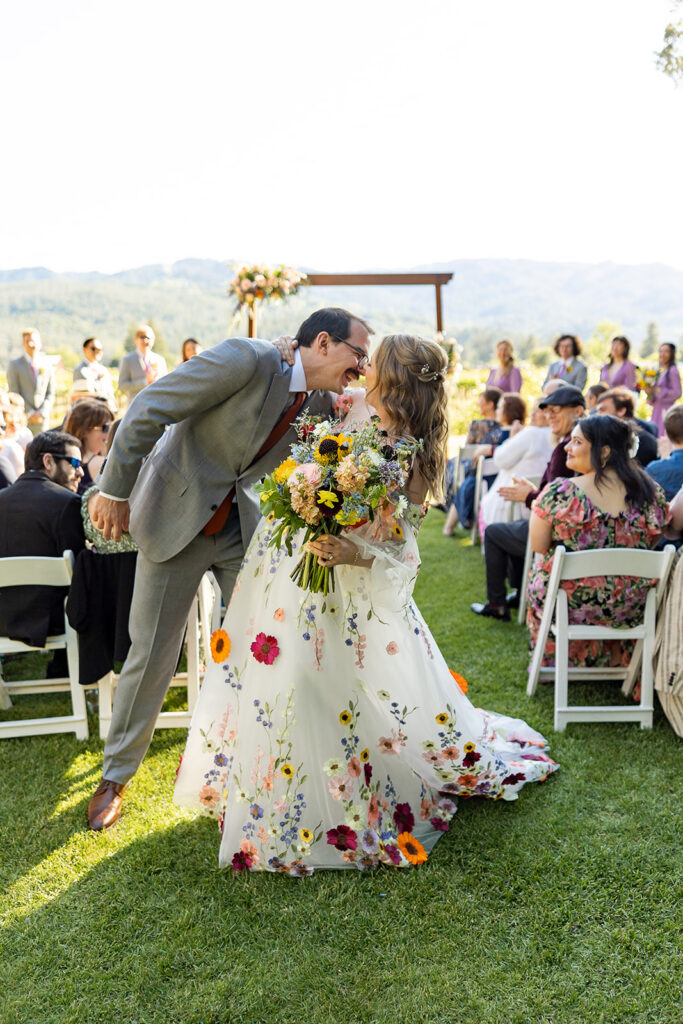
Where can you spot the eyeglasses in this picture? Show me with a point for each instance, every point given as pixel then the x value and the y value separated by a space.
pixel 362 360
pixel 95 348
pixel 76 463
pixel 105 428
pixel 145 337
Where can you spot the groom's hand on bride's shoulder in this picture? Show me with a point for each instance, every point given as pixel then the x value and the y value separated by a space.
pixel 110 517
pixel 285 346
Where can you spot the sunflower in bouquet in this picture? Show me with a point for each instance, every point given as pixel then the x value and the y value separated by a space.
pixel 646 378
pixel 334 482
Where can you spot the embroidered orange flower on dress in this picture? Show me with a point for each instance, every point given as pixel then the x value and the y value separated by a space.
pixel 220 645
pixel 413 851
pixel 462 683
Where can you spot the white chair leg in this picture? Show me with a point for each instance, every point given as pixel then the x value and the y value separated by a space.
pixel 561 662
pixel 78 704
pixel 646 676
pixel 193 656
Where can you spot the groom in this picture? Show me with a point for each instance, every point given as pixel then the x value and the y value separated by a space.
pixel 191 506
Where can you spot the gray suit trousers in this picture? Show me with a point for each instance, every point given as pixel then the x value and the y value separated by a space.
pixel 162 598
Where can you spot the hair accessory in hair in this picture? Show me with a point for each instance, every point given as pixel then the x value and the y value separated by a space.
pixel 427 374
pixel 634 446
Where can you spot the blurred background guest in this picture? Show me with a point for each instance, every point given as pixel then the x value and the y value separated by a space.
pixel 593 394
pixel 11 451
pixel 668 473
pixel 619 402
pixel 619 371
pixel 32 376
pixel 142 367
pixel 667 387
pixel 89 421
pixel 191 347
pixel 91 370
pixel 482 431
pixel 568 368
pixel 505 376
pixel 610 502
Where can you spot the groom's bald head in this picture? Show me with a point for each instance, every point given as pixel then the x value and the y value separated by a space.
pixel 336 322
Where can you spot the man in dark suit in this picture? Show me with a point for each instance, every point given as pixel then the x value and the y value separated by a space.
pixel 619 402
pixel 40 514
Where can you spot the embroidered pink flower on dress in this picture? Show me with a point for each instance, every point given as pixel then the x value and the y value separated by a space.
pixel 353 767
pixel 265 648
pixel 389 744
pixel 392 648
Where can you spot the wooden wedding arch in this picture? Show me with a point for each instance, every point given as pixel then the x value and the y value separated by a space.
pixel 436 280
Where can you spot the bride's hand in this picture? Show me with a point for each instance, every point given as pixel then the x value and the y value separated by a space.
pixel 333 551
pixel 285 347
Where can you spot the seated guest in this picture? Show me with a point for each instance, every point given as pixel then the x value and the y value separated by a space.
pixel 90 369
pixel 610 502
pixel 568 368
pixel 505 376
pixel 139 368
pixel 191 347
pixel 90 421
pixel 525 453
pixel 93 536
pixel 505 543
pixel 667 387
pixel 668 473
pixel 15 420
pixel 619 371
pixel 619 402
pixel 11 452
pixel 593 395
pixel 40 514
pixel 486 430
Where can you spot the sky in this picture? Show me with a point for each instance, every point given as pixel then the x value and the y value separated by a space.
pixel 368 134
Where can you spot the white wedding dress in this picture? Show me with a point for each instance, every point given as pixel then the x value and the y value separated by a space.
pixel 329 731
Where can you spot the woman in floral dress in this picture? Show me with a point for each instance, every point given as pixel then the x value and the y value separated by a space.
pixel 612 503
pixel 330 732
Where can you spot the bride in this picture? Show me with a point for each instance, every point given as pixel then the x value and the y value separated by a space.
pixel 329 731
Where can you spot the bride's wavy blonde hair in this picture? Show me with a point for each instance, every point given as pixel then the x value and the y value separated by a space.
pixel 411 385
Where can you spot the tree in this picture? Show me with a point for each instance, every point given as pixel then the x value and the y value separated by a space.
pixel 596 349
pixel 670 57
pixel 651 343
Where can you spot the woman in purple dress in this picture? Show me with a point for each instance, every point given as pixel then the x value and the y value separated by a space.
pixel 619 371
pixel 505 376
pixel 667 388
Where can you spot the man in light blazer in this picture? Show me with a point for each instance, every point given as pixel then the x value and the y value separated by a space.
pixel 568 369
pixel 32 376
pixel 224 405
pixel 142 367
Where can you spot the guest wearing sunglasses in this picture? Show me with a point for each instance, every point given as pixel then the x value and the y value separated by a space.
pixel 142 367
pixel 90 369
pixel 40 514
pixel 89 421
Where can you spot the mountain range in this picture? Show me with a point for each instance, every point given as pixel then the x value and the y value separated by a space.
pixel 487 299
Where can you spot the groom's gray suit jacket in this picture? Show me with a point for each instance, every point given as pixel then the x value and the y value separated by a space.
pixel 222 405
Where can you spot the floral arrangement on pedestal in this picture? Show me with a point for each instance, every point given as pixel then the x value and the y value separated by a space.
pixel 261 283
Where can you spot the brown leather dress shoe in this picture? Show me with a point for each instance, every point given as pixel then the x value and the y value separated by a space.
pixel 104 809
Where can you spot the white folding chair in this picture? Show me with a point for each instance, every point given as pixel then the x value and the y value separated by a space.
pixel 201 614
pixel 32 570
pixel 485 467
pixel 646 565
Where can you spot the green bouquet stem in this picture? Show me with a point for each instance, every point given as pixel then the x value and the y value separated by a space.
pixel 307 573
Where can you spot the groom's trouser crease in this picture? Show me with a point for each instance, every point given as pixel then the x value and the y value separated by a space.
pixel 161 604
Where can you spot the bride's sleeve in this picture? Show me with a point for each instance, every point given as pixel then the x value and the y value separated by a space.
pixel 391 577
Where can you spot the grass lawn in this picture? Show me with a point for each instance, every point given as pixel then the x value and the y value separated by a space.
pixel 560 907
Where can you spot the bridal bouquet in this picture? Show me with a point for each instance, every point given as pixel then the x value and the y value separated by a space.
pixel 260 282
pixel 334 482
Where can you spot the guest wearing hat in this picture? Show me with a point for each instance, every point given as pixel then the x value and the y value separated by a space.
pixel 505 543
